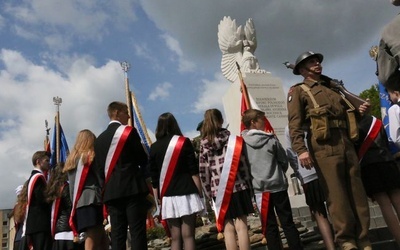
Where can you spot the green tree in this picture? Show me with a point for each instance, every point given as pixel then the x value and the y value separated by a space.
pixel 373 95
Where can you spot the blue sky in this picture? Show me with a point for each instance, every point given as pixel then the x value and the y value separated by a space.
pixel 72 49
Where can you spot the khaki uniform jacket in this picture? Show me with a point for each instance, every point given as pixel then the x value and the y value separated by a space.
pixel 299 104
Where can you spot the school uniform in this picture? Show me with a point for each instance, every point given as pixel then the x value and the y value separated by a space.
pixel 126 190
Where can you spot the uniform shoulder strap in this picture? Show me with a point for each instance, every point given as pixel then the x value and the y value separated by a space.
pixel 308 91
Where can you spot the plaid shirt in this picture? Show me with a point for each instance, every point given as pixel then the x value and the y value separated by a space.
pixel 211 161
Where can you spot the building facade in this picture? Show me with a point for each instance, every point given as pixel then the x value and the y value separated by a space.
pixel 7 230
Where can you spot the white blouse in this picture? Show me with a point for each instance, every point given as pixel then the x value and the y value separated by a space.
pixel 394 124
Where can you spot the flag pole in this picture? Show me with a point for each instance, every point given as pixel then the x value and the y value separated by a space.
pixel 46 139
pixel 125 67
pixel 57 101
pixel 243 87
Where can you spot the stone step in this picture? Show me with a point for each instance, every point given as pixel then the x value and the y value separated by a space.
pixel 380 234
pixel 385 245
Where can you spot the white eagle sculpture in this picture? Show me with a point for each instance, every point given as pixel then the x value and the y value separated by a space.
pixel 237 44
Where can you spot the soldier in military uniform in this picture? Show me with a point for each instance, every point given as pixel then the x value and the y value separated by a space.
pixel 321 111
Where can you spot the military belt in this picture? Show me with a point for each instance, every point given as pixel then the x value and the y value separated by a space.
pixel 337 124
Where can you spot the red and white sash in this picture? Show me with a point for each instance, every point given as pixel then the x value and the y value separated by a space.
pixel 170 160
pixel 168 168
pixel 55 208
pixel 81 174
pixel 31 186
pixel 373 132
pixel 262 200
pixel 227 179
pixel 117 144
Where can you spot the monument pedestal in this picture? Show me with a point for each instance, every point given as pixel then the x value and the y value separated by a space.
pixel 266 94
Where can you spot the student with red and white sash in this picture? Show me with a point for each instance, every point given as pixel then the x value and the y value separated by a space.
pixel 225 177
pixel 174 173
pixel 36 226
pixel 57 194
pixel 379 171
pixel 121 158
pixel 268 164
pixel 85 192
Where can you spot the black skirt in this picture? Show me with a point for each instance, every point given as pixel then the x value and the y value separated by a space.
pixel 67 245
pixel 89 216
pixel 239 205
pixel 315 197
pixel 380 177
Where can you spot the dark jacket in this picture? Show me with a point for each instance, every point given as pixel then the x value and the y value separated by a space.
pixel 64 211
pixel 127 178
pixel 39 210
pixel 181 182
pixel 379 148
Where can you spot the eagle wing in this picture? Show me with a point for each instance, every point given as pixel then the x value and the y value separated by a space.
pixel 250 34
pixel 230 41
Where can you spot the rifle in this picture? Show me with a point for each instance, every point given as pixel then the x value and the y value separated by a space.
pixel 355 100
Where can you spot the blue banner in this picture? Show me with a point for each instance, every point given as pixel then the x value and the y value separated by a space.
pixel 64 151
pixel 139 127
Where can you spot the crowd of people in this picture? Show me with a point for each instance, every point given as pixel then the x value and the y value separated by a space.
pixel 105 177
pixel 338 150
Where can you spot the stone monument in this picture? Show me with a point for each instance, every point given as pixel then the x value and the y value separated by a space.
pixel 238 44
pixel 266 93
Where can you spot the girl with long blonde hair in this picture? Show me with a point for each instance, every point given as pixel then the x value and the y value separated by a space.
pixel 87 202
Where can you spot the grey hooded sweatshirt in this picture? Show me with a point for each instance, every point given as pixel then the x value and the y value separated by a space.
pixel 268 161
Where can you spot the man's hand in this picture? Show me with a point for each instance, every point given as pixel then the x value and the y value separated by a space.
pixel 364 108
pixel 306 161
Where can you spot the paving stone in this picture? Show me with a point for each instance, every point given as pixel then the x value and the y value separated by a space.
pixel 304 211
pixel 372 223
pixel 306 218
pixel 310 224
pixel 377 211
pixel 380 222
pixel 386 245
pixel 295 212
pixel 371 212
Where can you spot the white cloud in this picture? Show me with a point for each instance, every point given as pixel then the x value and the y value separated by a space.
pixel 160 92
pixel 58 42
pixel 184 65
pixel 143 51
pixel 26 102
pixel 172 44
pixel 284 30
pixel 210 94
pixel 25 33
pixel 88 20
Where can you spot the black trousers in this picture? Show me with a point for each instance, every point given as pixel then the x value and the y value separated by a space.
pixel 280 203
pixel 128 211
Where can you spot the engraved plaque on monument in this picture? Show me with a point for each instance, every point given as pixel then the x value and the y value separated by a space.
pixel 266 93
